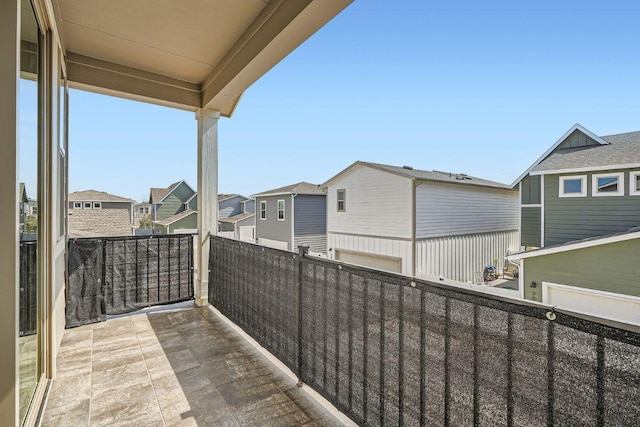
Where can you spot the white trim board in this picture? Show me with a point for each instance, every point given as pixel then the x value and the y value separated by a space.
pixel 577 245
pixel 587 169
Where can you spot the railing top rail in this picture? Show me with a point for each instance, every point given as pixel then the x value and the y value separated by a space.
pixel 120 238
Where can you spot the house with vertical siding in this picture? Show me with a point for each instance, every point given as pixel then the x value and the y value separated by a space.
pixel 291 216
pixel 580 204
pixel 169 205
pixel 419 223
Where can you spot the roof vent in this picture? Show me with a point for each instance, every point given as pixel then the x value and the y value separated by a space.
pixel 407 167
pixel 462 177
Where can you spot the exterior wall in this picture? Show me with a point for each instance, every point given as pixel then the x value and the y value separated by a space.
pixel 174 203
pixel 397 248
pixel 574 218
pixel 577 139
pixel 190 223
pixel 612 268
pixel 230 207
pixel 250 206
pixel 193 203
pixel 455 209
pixel 270 228
pixel 530 190
pixel 530 220
pixel 377 204
pixel 310 222
pixel 461 257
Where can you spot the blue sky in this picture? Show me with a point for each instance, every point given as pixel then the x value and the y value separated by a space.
pixel 481 88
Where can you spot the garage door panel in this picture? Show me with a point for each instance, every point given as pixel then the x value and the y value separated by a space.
pixel 372 261
pixel 623 308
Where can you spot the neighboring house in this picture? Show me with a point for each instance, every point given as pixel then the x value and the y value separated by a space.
pixel 583 186
pixel 291 216
pixel 183 222
pixel 169 204
pixel 239 227
pixel 580 204
pixel 230 205
pixel 99 214
pixel 23 201
pixel 420 223
pixel 141 210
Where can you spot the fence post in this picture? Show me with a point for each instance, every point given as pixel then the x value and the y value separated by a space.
pixel 303 251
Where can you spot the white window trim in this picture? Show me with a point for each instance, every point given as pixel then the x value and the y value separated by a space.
pixel 594 184
pixel 561 181
pixel 97 205
pixel 632 181
pixel 263 203
pixel 77 205
pixel 344 200
pixel 278 209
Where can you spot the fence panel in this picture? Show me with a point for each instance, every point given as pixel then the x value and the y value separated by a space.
pixel 115 275
pixel 389 350
pixel 28 288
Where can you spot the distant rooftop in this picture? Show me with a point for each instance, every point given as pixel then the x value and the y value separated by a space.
pixel 623 148
pixel 96 196
pixel 299 188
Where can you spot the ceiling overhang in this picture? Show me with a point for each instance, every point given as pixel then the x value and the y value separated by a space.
pixel 111 49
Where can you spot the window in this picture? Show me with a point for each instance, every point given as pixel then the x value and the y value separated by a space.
pixel 263 209
pixel 342 200
pixel 141 209
pixel 608 184
pixel 634 183
pixel 185 206
pixel 97 205
pixel 573 186
pixel 77 205
pixel 280 210
pixel 86 205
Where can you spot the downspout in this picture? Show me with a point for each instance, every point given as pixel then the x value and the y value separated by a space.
pixel 413 228
pixel 293 238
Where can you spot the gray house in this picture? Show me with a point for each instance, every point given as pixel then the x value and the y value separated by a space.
pixel 291 216
pixel 98 214
pixel 580 209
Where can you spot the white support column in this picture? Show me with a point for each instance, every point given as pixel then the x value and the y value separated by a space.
pixel 9 75
pixel 207 197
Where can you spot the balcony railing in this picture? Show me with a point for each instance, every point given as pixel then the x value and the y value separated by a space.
pixel 389 350
pixel 115 275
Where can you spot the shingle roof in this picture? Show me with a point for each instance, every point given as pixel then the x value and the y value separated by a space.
pixel 222 197
pixel 99 222
pixel 622 149
pixel 96 196
pixel 170 220
pixel 236 218
pixel 158 194
pixel 299 188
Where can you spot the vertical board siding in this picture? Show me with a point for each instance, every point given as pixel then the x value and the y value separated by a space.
pixel 530 226
pixel 461 257
pixel 271 228
pixel 453 209
pixel 373 245
pixel 530 190
pixel 575 218
pixel 310 222
pixel 377 204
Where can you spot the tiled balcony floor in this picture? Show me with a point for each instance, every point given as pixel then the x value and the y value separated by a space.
pixel 182 367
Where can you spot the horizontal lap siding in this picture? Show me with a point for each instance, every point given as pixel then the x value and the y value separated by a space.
pixel 461 257
pixel 270 228
pixel 373 245
pixel 614 267
pixel 456 209
pixel 174 202
pixel 377 204
pixel 574 218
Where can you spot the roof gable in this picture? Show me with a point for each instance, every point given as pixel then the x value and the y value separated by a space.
pixel 299 188
pixel 577 136
pixel 96 196
pixel 157 195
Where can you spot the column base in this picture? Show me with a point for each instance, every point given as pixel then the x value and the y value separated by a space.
pixel 202 301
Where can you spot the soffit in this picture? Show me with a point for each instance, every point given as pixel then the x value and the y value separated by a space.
pixel 178 39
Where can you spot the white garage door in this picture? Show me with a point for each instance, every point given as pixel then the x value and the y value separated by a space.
pixel 372 261
pixel 276 244
pixel 608 305
pixel 247 233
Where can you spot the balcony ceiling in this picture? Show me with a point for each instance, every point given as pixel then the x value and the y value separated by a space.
pixel 187 54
